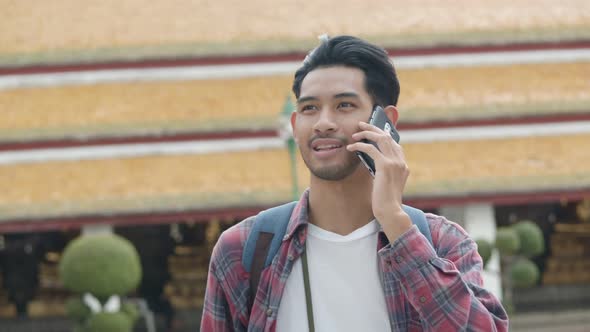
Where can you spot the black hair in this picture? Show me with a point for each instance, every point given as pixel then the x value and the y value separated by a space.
pixel 380 77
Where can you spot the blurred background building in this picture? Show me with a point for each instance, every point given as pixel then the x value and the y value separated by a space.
pixel 162 121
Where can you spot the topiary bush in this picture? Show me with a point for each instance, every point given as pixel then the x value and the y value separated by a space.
pixel 524 273
pixel 485 249
pixel 507 241
pixel 516 244
pixel 531 238
pixel 93 264
pixel 109 321
pixel 101 269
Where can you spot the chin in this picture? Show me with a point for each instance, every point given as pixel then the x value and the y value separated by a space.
pixel 334 173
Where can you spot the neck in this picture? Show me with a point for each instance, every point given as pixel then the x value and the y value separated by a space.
pixel 341 206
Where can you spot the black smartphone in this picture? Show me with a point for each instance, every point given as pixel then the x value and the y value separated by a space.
pixel 378 119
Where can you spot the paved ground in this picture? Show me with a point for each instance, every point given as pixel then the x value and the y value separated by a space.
pixel 566 321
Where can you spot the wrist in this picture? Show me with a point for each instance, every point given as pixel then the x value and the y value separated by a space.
pixel 395 225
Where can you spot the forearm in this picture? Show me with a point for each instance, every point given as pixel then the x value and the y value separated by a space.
pixel 445 298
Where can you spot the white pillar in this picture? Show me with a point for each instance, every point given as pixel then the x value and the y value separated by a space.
pixel 454 213
pixel 480 222
pixel 93 229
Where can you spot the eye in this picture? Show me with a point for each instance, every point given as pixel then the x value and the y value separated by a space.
pixel 307 108
pixel 346 105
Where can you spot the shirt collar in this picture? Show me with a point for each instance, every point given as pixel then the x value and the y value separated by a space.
pixel 300 215
pixel 300 219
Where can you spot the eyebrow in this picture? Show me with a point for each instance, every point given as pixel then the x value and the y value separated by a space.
pixel 346 95
pixel 304 99
pixel 336 96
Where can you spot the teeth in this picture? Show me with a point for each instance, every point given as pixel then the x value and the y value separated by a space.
pixel 326 147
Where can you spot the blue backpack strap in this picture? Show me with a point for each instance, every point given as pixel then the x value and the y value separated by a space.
pixel 273 221
pixel 263 243
pixel 419 219
pixel 272 224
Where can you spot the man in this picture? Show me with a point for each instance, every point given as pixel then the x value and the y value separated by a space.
pixel 369 268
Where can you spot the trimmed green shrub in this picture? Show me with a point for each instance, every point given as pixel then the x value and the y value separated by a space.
pixel 484 248
pixel 507 241
pixel 515 243
pixel 77 310
pixel 531 238
pixel 524 273
pixel 111 322
pixel 130 310
pixel 102 265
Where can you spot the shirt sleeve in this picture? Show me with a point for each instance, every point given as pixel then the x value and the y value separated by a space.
pixel 216 315
pixel 445 286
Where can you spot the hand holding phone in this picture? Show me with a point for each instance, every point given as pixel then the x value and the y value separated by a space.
pixel 380 120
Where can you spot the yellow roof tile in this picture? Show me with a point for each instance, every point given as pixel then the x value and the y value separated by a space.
pixel 156 107
pixel 247 178
pixel 62 29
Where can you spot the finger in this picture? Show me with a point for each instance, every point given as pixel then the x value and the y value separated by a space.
pixel 370 127
pixel 383 140
pixel 371 136
pixel 367 148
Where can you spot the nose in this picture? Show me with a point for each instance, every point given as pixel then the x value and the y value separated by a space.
pixel 326 122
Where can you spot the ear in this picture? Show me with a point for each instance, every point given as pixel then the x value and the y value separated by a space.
pixel 392 114
pixel 293 121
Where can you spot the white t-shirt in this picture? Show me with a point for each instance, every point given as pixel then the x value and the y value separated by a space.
pixel 345 285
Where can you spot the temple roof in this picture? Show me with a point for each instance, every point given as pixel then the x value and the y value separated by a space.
pixel 156 107
pixel 262 177
pixel 73 31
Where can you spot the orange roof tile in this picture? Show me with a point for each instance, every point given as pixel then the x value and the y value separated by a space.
pixel 159 183
pixel 155 107
pixel 67 29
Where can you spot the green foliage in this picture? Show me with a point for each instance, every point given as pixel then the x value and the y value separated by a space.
pixel 86 321
pixel 531 238
pixel 524 273
pixel 515 243
pixel 484 248
pixel 130 310
pixel 507 241
pixel 103 265
pixel 77 310
pixel 111 322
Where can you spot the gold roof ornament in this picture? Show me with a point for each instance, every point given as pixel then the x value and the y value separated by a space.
pixel 583 210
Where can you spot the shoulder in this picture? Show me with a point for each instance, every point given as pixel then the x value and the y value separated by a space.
pixel 447 234
pixel 227 252
pixel 442 224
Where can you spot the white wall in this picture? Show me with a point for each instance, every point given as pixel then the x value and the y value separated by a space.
pixel 93 229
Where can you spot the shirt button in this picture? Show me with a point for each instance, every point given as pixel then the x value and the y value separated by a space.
pixel 398 259
pixel 269 312
pixel 290 257
pixel 422 299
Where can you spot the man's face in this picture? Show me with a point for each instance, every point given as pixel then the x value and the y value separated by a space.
pixel 332 102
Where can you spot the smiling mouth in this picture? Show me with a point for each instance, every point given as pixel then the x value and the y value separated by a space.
pixel 327 147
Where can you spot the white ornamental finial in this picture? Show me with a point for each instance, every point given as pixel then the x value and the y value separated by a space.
pixel 92 302
pixel 113 303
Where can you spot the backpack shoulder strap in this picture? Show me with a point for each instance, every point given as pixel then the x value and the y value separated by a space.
pixel 264 241
pixel 274 221
pixel 269 228
pixel 419 219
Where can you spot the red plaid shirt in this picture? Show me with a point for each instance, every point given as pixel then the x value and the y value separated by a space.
pixel 426 289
